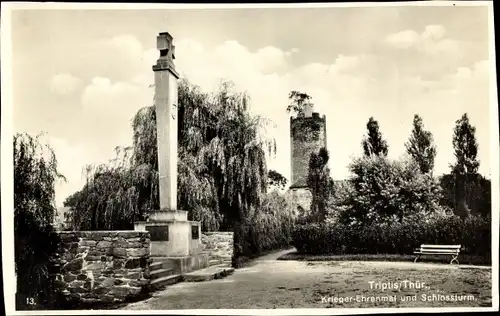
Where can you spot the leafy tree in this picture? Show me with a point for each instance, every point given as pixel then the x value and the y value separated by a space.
pixel 465 147
pixel 299 103
pixel 374 144
pixel 421 146
pixel 385 191
pixel 319 182
pixel 276 179
pixel 466 166
pixel 35 173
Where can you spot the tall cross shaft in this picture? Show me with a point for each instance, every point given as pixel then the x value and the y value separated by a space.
pixel 172 235
pixel 166 124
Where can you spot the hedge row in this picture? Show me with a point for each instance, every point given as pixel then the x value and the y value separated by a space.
pixel 473 233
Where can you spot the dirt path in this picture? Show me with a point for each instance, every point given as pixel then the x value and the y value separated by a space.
pixel 269 283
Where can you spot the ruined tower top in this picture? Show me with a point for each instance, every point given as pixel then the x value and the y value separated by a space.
pixel 307 136
pixel 164 43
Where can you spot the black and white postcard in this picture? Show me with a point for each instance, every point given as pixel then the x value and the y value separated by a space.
pixel 285 159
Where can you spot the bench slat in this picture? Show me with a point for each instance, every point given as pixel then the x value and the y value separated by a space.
pixel 442 246
pixel 439 250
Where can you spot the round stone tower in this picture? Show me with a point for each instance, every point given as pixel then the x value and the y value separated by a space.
pixel 307 136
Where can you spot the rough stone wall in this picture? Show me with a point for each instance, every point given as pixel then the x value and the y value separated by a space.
pixel 218 246
pixel 304 141
pixel 102 266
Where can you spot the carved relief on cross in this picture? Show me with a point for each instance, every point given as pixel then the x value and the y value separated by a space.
pixel 165 46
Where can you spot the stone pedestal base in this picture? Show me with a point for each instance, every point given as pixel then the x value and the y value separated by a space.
pixel 172 235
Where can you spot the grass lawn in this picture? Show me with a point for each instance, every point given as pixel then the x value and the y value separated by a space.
pixel 463 258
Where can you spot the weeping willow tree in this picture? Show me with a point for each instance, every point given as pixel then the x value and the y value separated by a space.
pixel 110 198
pixel 222 173
pixel 222 169
pixel 35 173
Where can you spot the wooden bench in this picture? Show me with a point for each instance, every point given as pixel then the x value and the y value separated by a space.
pixel 451 250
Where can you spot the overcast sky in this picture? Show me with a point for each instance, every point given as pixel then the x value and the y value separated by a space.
pixel 81 75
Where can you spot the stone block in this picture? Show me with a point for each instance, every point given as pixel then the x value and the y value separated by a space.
pixel 128 244
pixel 134 270
pixel 137 252
pixel 139 282
pixel 96 234
pixel 108 282
pixel 82 249
pixel 129 234
pixel 99 237
pixel 122 292
pixel 134 275
pixel 73 265
pixel 93 258
pixel 108 299
pixel 119 252
pixel 93 251
pixel 100 289
pixel 88 243
pixel 89 300
pixel 104 244
pixel 132 263
pixel 68 277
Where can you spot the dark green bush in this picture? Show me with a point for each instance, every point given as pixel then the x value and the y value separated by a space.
pixel 266 229
pixel 473 233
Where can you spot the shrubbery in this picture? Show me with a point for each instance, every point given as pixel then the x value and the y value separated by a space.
pixel 473 233
pixel 268 229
